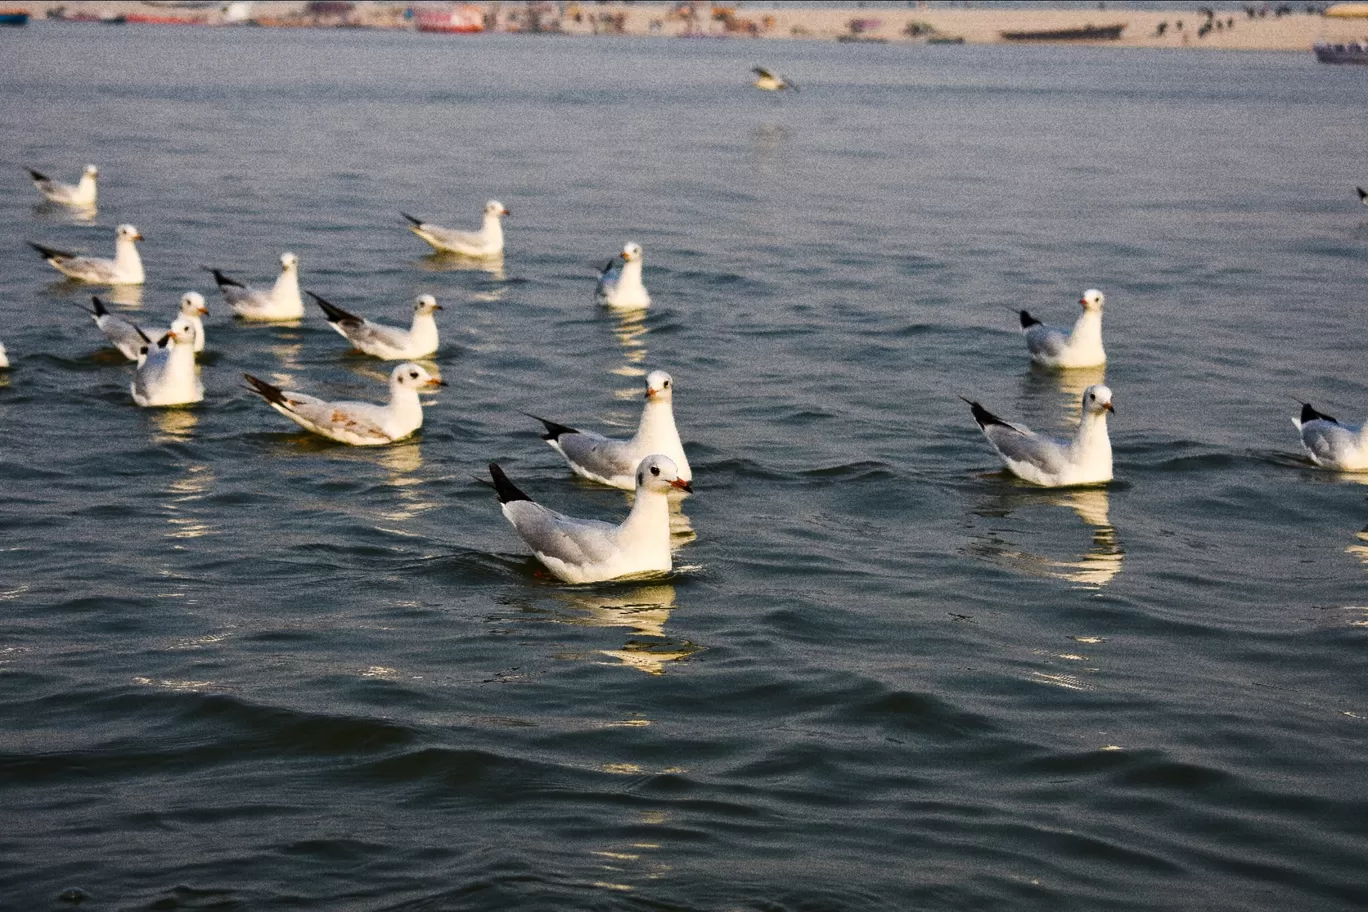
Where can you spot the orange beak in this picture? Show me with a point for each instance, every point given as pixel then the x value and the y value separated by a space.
pixel 1109 408
pixel 682 485
pixel 434 381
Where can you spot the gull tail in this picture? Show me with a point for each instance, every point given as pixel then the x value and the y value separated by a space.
pixel 50 253
pixel 416 222
pixel 222 279
pixel 983 416
pixel 334 313
pixel 40 176
pixel 504 488
pixel 553 429
pixel 1363 194
pixel 272 394
pixel 1310 414
pixel 1027 321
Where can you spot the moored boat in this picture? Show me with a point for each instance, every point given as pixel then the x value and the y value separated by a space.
pixel 1354 52
pixel 14 17
pixel 1084 33
pixel 467 19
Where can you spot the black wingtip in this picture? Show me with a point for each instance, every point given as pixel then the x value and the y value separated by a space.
pixel 221 280
pixel 100 309
pixel 982 415
pixel 1027 321
pixel 1310 414
pixel 554 430
pixel 272 394
pixel 505 489
pixel 415 221
pixel 1363 194
pixel 40 176
pixel 334 313
pixel 48 253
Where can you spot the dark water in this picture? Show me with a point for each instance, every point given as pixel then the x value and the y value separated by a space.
pixel 241 669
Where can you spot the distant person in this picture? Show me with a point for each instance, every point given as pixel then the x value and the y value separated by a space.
pixel 1160 29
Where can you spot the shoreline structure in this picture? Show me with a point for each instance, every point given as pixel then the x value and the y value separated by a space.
pixel 1226 29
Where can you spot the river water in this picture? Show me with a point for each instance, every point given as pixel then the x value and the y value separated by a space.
pixel 245 669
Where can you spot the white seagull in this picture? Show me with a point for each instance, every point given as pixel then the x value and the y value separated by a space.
pixel 167 375
pixel 589 550
pixel 769 81
pixel 1051 462
pixel 1054 346
pixel 282 302
pixel 485 244
pixel 1332 445
pixel 614 462
pixel 125 269
pixel 388 343
pixel 81 194
pixel 130 339
pixel 356 423
pixel 619 284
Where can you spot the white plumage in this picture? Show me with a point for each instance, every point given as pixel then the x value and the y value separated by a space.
pixel 1052 462
pixel 388 343
pixel 281 302
pixel 356 423
pixel 485 244
pixel 167 375
pixel 1331 444
pixel 125 269
pixel 620 284
pixel 81 195
pixel 1081 346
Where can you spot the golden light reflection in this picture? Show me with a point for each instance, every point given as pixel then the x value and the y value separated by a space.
pixel 185 492
pixel 1066 387
pixel 644 610
pixel 630 331
pixel 1360 548
pixel 454 262
pixel 124 295
pixel 1093 569
pixel 173 425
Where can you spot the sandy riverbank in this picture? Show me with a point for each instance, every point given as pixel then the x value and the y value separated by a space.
pixel 982 24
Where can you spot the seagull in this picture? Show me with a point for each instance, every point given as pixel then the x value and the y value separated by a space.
pixel 388 343
pixel 614 462
pixel 129 338
pixel 1053 346
pixel 167 375
pixel 619 284
pixel 4 358
pixel 356 423
pixel 1363 195
pixel 282 302
pixel 125 269
pixel 770 81
pixel 81 194
pixel 485 244
pixel 1050 462
pixel 1332 445
pixel 589 550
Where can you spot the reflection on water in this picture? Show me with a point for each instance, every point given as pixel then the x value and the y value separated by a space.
pixel 186 491
pixel 1360 548
pixel 454 262
pixel 173 424
pixel 768 141
pixel 1093 569
pixel 630 333
pixel 1064 387
pixel 58 211
pixel 641 609
pixel 401 464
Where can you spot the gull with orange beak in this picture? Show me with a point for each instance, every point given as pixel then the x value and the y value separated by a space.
pixel 590 550
pixel 356 423
pixel 613 462
pixel 125 269
pixel 166 373
pixel 1054 346
pixel 485 244
pixel 388 343
pixel 620 284
pixel 1052 462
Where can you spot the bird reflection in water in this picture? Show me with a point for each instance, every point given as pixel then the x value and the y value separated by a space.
pixel 454 262
pixel 184 493
pixel 173 425
pixel 1065 387
pixel 630 332
pixel 642 609
pixel 1360 548
pixel 1093 569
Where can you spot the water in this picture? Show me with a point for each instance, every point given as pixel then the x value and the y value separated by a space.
pixel 246 670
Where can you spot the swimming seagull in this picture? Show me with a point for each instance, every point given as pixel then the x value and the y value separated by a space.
pixel 485 244
pixel 282 302
pixel 1051 462
pixel 620 285
pixel 613 462
pixel 125 269
pixel 356 423
pixel 129 338
pixel 81 194
pixel 167 375
pixel 589 550
pixel 1332 445
pixel 769 81
pixel 388 343
pixel 1053 346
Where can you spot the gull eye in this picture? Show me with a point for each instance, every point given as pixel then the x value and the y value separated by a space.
pixel 655 470
pixel 413 374
pixel 667 384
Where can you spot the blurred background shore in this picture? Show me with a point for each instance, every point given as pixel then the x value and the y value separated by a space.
pixel 1228 26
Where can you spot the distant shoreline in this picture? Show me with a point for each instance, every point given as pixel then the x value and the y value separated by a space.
pixel 1226 30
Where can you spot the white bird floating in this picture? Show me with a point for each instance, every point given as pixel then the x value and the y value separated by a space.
pixel 589 550
pixel 620 284
pixel 282 302
pixel 130 339
pixel 485 244
pixel 81 194
pixel 614 462
pixel 125 269
pixel 167 375
pixel 1051 462
pixel 388 343
pixel 356 423
pixel 1332 445
pixel 770 81
pixel 1054 346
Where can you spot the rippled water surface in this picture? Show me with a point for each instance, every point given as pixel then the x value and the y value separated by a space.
pixel 244 669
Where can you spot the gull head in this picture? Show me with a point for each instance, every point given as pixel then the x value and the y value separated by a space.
pixel 494 207
pixel 127 233
pixel 288 261
pixel 1097 399
pixel 1092 299
pixel 659 474
pixel 659 386
pixel 425 304
pixel 413 376
pixel 182 331
pixel 631 252
pixel 192 304
pixel 91 171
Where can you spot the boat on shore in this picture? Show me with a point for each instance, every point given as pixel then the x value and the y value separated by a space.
pixel 1354 52
pixel 463 20
pixel 1085 33
pixel 14 17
